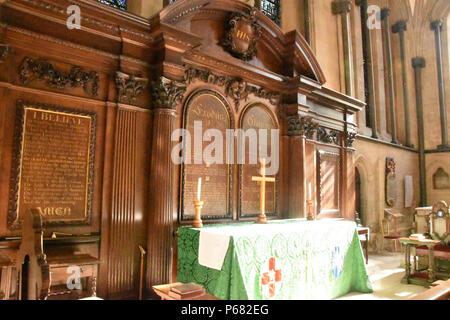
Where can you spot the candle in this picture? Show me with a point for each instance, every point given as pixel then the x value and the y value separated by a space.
pixel 199 188
pixel 310 192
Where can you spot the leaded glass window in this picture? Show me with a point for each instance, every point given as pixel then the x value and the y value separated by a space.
pixel 271 8
pixel 119 4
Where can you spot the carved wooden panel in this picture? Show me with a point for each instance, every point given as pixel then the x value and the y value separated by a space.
pixel 53 164
pixel 328 182
pixel 122 273
pixel 204 111
pixel 256 117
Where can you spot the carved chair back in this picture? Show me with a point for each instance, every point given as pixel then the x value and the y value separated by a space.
pixel 440 222
pixel 31 263
pixel 422 220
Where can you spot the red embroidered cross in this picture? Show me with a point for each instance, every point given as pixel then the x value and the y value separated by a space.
pixel 271 277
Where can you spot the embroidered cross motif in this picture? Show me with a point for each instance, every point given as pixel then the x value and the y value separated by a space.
pixel 271 278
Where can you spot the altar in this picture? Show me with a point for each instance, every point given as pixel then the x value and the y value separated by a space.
pixel 284 260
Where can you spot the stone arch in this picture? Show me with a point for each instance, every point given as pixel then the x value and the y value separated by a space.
pixel 362 166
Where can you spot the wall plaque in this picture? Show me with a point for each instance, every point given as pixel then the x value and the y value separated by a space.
pixel 53 165
pixel 390 183
pixel 256 117
pixel 211 110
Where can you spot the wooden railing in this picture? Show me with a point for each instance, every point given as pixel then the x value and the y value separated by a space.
pixel 440 292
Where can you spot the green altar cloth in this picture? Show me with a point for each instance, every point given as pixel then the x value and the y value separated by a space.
pixel 283 260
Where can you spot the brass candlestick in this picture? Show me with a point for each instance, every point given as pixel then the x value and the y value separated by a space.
pixel 198 214
pixel 310 210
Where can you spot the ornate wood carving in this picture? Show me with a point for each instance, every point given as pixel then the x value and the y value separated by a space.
pixel 166 93
pixel 30 70
pixel 242 35
pixel 4 51
pixel 129 87
pixel 235 88
pixel 328 136
pixel 349 139
pixel 302 126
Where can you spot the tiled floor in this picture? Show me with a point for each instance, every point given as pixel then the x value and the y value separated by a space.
pixel 386 271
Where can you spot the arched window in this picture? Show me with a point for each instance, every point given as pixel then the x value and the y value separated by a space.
pixel 119 4
pixel 271 8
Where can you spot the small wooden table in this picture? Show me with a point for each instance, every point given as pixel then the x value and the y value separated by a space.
pixel 365 232
pixel 409 276
pixel 163 292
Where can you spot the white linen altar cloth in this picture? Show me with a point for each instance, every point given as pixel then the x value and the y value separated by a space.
pixel 213 247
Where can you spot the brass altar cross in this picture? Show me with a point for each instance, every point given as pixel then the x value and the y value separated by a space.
pixel 262 199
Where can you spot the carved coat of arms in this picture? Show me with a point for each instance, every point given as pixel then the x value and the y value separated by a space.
pixel 242 35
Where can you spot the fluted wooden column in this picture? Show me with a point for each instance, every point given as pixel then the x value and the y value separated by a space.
pixel 388 52
pixel 437 26
pixel 166 95
pixel 121 251
pixel 418 64
pixel 342 8
pixel 370 74
pixel 400 28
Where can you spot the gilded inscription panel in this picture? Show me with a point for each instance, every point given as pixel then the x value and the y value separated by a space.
pixel 53 165
pixel 207 116
pixel 256 117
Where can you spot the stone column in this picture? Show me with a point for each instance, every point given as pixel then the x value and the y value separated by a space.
pixel 400 28
pixel 165 96
pixel 418 64
pixel 387 38
pixel 369 62
pixel 437 26
pixel 343 7
pixel 307 11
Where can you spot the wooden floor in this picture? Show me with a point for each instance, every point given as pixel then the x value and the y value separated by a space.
pixel 386 271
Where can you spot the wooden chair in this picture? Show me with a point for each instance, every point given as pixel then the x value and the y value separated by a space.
pixel 439 230
pixel 391 216
pixel 43 277
pixel 31 261
pixel 422 220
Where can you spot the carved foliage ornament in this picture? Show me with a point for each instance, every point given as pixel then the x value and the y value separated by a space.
pixel 4 51
pixel 301 126
pixel 328 136
pixel 31 69
pixel 242 35
pixel 236 88
pixel 350 138
pixel 166 93
pixel 129 87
